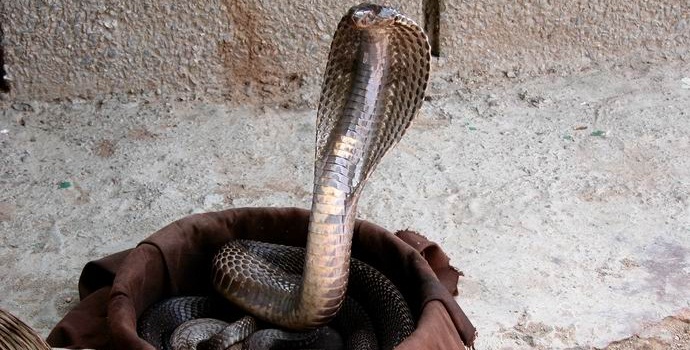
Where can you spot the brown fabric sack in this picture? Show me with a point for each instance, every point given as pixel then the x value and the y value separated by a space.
pixel 175 261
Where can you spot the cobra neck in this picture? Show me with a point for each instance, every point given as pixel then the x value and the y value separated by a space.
pixel 339 177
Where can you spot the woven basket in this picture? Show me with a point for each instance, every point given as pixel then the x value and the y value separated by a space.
pixel 15 334
pixel 176 261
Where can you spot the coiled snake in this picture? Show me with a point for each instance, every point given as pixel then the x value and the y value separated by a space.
pixel 374 85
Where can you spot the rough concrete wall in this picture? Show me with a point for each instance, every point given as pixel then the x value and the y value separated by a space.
pixel 85 48
pixel 274 51
pixel 270 50
pixel 534 37
pixel 278 49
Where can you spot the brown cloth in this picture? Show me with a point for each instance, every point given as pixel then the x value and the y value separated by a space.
pixel 176 260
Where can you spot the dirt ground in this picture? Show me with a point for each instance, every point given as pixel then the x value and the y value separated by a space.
pixel 565 200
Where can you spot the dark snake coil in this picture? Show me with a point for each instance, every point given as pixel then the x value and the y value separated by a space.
pixel 374 85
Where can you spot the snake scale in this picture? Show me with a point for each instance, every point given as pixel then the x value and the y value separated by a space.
pixel 374 85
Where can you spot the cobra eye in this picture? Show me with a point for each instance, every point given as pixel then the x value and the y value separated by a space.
pixel 363 17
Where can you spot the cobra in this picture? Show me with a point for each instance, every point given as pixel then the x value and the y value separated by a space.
pixel 373 86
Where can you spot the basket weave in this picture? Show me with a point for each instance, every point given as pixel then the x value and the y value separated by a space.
pixel 15 334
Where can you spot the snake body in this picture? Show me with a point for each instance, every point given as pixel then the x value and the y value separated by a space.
pixel 374 85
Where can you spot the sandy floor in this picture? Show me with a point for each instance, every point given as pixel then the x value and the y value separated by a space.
pixel 565 200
